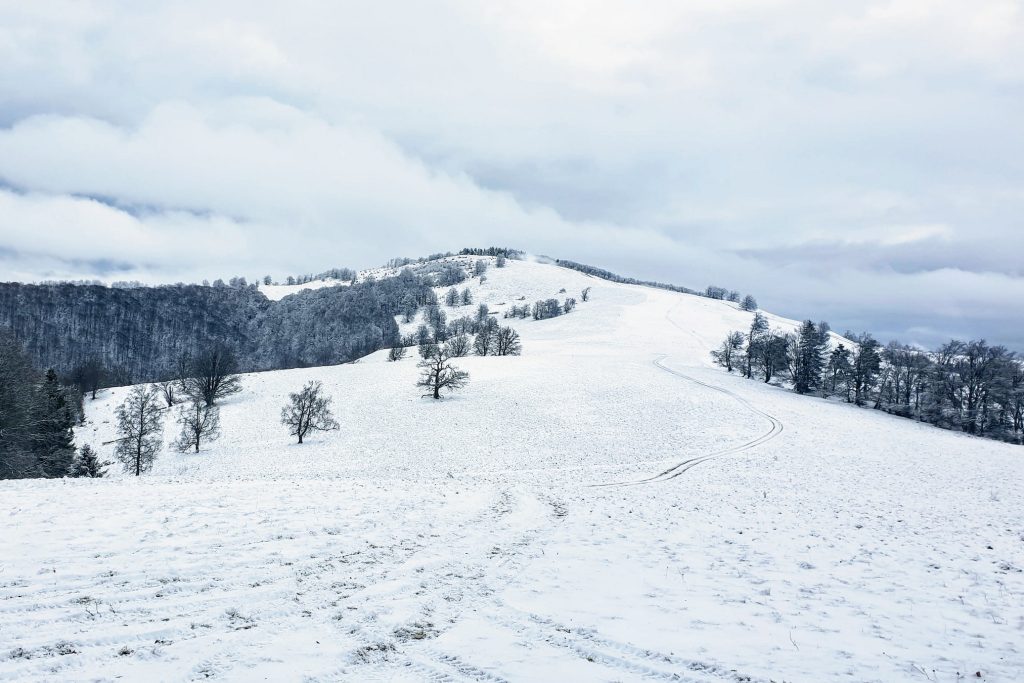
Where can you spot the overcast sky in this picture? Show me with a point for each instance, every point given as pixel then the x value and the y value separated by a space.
pixel 861 162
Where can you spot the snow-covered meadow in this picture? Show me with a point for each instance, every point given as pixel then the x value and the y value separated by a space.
pixel 507 532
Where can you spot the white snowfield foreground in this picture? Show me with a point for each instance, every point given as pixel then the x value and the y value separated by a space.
pixel 469 539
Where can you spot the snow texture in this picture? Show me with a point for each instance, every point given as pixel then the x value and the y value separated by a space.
pixel 606 507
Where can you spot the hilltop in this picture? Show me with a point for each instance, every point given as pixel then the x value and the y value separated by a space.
pixel 607 506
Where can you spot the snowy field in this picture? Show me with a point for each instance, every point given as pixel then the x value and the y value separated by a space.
pixel 605 507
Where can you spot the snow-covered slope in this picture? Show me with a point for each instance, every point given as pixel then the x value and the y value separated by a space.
pixel 607 506
pixel 278 292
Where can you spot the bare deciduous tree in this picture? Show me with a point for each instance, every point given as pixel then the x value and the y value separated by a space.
pixel 439 373
pixel 140 427
pixel 728 354
pixel 484 340
pixel 199 423
pixel 585 294
pixel 168 389
pixel 396 353
pixel 213 375
pixel 88 376
pixel 506 342
pixel 308 410
pixel 457 346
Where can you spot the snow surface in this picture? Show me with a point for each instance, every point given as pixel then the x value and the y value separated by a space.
pixel 606 507
pixel 278 292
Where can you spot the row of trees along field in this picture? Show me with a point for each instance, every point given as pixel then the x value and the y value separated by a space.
pixel 969 386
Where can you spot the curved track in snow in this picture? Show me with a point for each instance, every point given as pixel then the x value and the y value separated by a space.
pixel 680 468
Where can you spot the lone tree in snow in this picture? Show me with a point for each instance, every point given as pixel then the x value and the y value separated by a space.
pixel 308 410
pixel 749 303
pixel 396 353
pixel 88 464
pixel 199 422
pixel 439 373
pixel 585 294
pixel 140 427
pixel 213 375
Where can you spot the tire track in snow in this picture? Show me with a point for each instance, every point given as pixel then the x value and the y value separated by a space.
pixel 588 644
pixel 680 468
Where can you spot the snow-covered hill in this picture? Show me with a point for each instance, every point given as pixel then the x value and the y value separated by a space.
pixel 607 506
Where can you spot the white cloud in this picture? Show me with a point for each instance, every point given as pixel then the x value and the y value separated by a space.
pixel 693 142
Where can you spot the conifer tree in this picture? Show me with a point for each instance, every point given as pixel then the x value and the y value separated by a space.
pixel 866 364
pixel 88 464
pixel 809 354
pixel 758 329
pixel 54 417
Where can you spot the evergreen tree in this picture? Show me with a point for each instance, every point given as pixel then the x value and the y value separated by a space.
pixel 758 329
pixel 54 416
pixel 866 365
pixel 749 303
pixel 88 464
pixel 838 371
pixel 467 297
pixel 809 353
pixel 451 297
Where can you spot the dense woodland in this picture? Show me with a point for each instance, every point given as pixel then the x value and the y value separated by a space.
pixel 138 334
pixel 968 386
